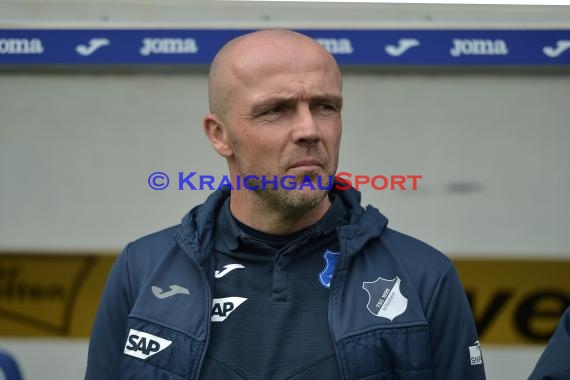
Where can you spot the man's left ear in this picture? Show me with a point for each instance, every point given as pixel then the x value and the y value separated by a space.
pixel 217 134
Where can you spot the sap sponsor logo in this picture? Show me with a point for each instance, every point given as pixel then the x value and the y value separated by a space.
pixel 336 45
pixel 475 354
pixel 223 307
pixel 554 52
pixel 143 345
pixel 478 47
pixel 21 46
pixel 169 46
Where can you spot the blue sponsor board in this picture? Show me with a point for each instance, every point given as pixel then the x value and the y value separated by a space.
pixel 369 47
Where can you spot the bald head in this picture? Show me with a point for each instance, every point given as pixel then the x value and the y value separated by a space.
pixel 244 58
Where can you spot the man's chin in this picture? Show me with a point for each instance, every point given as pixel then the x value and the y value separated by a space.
pixel 310 182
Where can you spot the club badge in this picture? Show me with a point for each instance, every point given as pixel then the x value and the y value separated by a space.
pixel 331 258
pixel 384 298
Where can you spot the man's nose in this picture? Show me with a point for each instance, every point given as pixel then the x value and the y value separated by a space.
pixel 305 126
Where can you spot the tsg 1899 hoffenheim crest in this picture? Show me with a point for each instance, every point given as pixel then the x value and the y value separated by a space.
pixel 331 258
pixel 384 298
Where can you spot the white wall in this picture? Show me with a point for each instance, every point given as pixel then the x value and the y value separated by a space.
pixel 76 152
pixel 502 136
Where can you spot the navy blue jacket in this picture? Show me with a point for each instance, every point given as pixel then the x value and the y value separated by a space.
pixel 397 309
pixel 554 363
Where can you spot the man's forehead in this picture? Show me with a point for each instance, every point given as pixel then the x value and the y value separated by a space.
pixel 286 86
pixel 288 74
pixel 282 76
pixel 260 83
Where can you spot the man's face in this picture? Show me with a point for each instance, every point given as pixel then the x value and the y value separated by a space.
pixel 284 119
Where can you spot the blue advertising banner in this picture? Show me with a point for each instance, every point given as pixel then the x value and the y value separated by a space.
pixel 369 47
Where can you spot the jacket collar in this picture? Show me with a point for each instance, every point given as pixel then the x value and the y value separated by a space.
pixel 195 234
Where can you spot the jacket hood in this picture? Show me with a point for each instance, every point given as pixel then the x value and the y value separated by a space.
pixel 365 224
pixel 195 234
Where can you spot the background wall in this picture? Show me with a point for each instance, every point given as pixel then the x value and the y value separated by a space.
pixel 491 149
pixel 76 149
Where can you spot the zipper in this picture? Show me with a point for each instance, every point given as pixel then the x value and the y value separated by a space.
pixel 208 290
pixel 330 312
pixel 208 319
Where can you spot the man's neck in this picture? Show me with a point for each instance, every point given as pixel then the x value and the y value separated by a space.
pixel 254 212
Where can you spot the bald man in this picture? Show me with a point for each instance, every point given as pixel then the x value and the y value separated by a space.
pixel 275 102
pixel 268 282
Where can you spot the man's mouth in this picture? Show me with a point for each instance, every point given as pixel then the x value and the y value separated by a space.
pixel 308 163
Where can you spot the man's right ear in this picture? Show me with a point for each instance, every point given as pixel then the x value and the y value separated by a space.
pixel 217 134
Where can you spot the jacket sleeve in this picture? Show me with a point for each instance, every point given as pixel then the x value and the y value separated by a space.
pixel 454 344
pixel 554 363
pixel 108 333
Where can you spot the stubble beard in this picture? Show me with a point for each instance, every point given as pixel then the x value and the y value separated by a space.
pixel 291 203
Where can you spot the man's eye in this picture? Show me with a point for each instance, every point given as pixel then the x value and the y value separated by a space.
pixel 273 110
pixel 325 107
